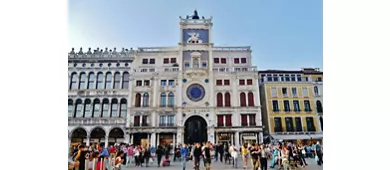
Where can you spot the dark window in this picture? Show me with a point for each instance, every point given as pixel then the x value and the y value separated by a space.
pixel 83 81
pixel 226 82
pixel 73 81
pixel 278 124
pixel 319 79
pixel 296 106
pixel 173 60
pixel 284 91
pixel 227 99
pixel 117 81
pixel 249 82
pixel 219 82
pixel 242 82
pixel 242 99
pixel 286 105
pixel 244 121
pixel 299 78
pixel 163 82
pixel 298 124
pixel 252 120
pixel 171 99
pixel 146 83
pixel 187 64
pixel 275 106
pixel 114 108
pixel 220 120
pixel 216 60
pixel 289 124
pixel 287 77
pixel 70 108
pixel 319 106
pixel 275 78
pixel 228 120
pixel 144 120
pixel 96 108
pixel 91 81
pixel 292 77
pixel 223 60
pixel 243 60
pixel 138 100
pixel 251 101
pixel 105 108
pixel 307 105
pixel 236 60
pixel 108 80
pixel 166 60
pixel 219 100
pixel 145 61
pixel 163 100
pixel 79 108
pixel 204 64
pixel 316 90
pixel 138 83
pixel 171 82
pixel 152 61
pixel 145 100
pixel 310 124
pixel 123 108
pixel 136 120
pixel 125 82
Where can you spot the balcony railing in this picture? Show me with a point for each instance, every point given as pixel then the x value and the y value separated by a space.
pixel 166 124
pixel 96 121
pixel 137 124
pixel 308 110
pixel 278 129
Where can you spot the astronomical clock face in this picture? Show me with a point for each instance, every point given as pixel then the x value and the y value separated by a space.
pixel 195 36
pixel 195 92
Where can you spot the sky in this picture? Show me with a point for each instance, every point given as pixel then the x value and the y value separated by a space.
pixel 283 34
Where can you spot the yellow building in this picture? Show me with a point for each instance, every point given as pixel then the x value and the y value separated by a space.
pixel 290 106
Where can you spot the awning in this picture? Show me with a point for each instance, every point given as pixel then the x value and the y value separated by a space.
pixel 315 136
pixel 290 137
pixel 249 137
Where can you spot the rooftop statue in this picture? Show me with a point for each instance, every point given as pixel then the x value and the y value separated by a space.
pixel 81 51
pixel 72 52
pixel 195 16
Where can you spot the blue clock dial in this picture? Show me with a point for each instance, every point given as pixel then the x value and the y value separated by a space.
pixel 195 92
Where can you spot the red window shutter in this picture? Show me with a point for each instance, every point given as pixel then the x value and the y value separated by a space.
pixel 152 61
pixel 166 60
pixel 219 100
pixel 228 120
pixel 236 60
pixel 252 119
pixel 220 120
pixel 250 99
pixel 136 120
pixel 227 99
pixel 244 121
pixel 223 60
pixel 137 100
pixel 249 82
pixel 216 60
pixel 226 82
pixel 144 120
pixel 242 99
pixel 145 61
pixel 243 60
pixel 219 82
pixel 173 60
pixel 242 82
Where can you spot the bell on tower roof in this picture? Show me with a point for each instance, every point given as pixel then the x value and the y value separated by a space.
pixel 195 16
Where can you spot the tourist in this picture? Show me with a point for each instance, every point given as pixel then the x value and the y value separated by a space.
pixel 207 156
pixel 276 157
pixel 220 151
pixel 235 157
pixel 318 153
pixel 302 153
pixel 285 158
pixel 254 151
pixel 184 154
pixel 264 154
pixel 146 156
pixel 119 160
pixel 197 154
pixel 244 153
pixel 160 153
pixel 82 156
pixel 129 158
pixel 137 153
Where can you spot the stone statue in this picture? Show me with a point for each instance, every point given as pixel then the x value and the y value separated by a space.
pixel 106 51
pixel 194 38
pixel 89 51
pixel 195 16
pixel 81 51
pixel 72 52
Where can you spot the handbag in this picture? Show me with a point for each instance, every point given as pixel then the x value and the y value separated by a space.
pixel 316 158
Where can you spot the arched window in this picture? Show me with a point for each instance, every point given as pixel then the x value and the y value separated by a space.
pixel 163 100
pixel 99 83
pixel 319 106
pixel 83 81
pixel 96 108
pixel 316 90
pixel 87 108
pixel 125 83
pixel 117 81
pixel 105 108
pixel 73 81
pixel 321 122
pixel 123 108
pixel 108 80
pixel 114 108
pixel 70 108
pixel 91 81
pixel 145 100
pixel 242 99
pixel 79 108
pixel 219 100
pixel 251 101
pixel 227 100
pixel 171 99
pixel 138 100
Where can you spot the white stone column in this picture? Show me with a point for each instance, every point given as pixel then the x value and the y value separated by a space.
pixel 104 80
pixel 153 119
pixel 178 98
pixel 257 138
pixel 127 138
pixel 132 138
pixel 129 102
pixel 261 137
pixel 109 107
pixel 231 138
pixel 237 139
pixel 87 142
pixel 106 142
pixel 158 139
pixel 155 92
pixel 235 96
pixel 153 139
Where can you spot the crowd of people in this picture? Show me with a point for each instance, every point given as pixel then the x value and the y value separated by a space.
pixel 283 155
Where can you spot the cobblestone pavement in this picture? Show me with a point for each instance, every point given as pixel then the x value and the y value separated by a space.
pixel 312 165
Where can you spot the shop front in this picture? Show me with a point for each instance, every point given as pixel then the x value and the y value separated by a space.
pixel 225 138
pixel 249 138
pixel 165 139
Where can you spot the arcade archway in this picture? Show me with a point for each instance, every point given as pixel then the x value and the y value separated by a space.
pixel 98 135
pixel 79 135
pixel 195 130
pixel 116 135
